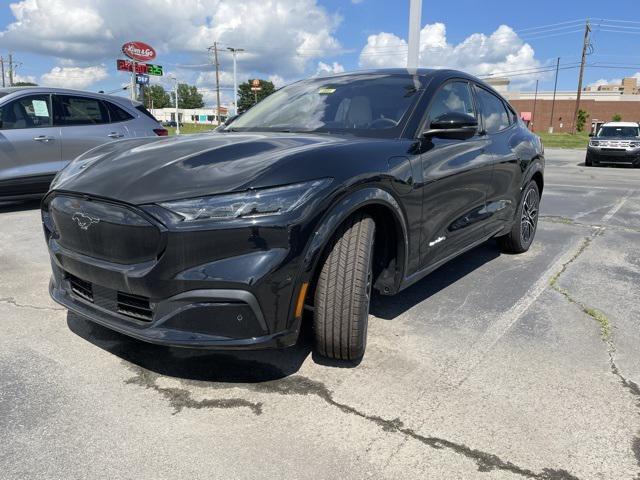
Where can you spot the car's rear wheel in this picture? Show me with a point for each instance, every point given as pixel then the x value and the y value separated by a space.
pixel 524 228
pixel 343 291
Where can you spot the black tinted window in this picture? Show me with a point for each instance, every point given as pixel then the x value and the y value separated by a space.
pixel 494 114
pixel 73 110
pixel 27 112
pixel 452 97
pixel 118 114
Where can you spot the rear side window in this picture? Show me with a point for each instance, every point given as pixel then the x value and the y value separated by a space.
pixel 452 97
pixel 117 114
pixel 141 109
pixel 72 110
pixel 493 112
pixel 33 111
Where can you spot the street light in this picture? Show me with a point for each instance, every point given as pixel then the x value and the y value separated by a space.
pixel 175 93
pixel 234 51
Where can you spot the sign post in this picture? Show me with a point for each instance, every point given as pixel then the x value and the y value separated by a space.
pixel 255 88
pixel 137 52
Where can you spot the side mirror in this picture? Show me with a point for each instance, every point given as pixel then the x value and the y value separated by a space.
pixel 591 134
pixel 456 125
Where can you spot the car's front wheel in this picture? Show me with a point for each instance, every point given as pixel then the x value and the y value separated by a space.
pixel 524 228
pixel 343 291
pixel 588 162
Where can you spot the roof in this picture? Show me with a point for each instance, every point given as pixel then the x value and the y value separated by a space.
pixel 620 124
pixel 64 91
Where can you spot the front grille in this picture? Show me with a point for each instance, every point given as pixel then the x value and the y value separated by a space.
pixel 80 287
pixel 134 306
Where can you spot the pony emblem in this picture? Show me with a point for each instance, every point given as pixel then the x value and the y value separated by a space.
pixel 83 220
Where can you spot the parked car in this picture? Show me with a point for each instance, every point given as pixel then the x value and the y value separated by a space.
pixel 43 129
pixel 616 143
pixel 325 190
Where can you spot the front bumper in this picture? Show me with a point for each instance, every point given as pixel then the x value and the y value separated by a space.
pixel 614 156
pixel 219 289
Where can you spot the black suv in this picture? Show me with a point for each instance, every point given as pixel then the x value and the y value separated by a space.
pixel 325 190
pixel 617 143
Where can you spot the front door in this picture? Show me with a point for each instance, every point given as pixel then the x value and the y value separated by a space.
pixel 29 146
pixel 456 174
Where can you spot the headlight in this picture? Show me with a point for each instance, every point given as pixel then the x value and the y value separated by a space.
pixel 252 203
pixel 594 143
pixel 634 144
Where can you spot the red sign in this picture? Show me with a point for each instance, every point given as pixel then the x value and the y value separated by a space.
pixel 127 66
pixel 139 51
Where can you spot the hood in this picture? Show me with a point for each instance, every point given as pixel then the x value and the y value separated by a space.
pixel 139 171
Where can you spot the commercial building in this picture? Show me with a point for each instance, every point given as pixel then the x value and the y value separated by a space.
pixel 600 104
pixel 207 116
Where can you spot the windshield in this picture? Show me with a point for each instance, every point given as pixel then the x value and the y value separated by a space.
pixel 374 105
pixel 624 132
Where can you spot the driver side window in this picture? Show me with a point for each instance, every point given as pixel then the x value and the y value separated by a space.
pixel 452 97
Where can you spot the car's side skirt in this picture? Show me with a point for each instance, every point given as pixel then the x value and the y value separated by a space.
pixel 420 274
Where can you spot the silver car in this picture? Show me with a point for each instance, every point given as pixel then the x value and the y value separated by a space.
pixel 42 129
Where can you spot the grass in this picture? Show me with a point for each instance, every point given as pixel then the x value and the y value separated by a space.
pixel 191 128
pixel 564 140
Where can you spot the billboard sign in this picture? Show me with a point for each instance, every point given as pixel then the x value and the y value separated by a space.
pixel 139 51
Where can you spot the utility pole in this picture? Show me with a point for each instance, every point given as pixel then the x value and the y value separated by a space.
pixel 234 52
pixel 214 47
pixel 553 102
pixel 415 15
pixel 535 100
pixel 175 93
pixel 11 70
pixel 2 68
pixel 585 46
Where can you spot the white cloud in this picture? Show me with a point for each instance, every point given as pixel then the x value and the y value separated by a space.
pixel 93 31
pixel 327 69
pixel 479 54
pixel 74 77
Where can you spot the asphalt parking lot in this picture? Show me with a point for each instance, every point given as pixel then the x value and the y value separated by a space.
pixel 495 366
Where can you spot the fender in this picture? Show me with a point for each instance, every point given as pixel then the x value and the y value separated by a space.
pixel 536 165
pixel 341 210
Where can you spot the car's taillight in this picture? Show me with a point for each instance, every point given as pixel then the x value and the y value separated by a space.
pixel 161 132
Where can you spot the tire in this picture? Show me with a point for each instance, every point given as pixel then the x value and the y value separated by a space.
pixel 524 227
pixel 588 162
pixel 343 291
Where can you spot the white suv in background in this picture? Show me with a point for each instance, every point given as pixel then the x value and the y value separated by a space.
pixel 616 143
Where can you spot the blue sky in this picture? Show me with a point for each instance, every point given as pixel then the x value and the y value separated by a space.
pixel 75 42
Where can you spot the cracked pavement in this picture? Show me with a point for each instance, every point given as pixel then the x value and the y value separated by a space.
pixel 493 367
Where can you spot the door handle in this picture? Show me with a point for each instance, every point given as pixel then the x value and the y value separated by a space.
pixel 43 138
pixel 115 135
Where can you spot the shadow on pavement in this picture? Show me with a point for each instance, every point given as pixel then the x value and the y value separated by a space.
pixel 19 206
pixel 193 364
pixel 389 308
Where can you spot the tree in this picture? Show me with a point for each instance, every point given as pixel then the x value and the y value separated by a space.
pixel 247 98
pixel 582 120
pixel 156 96
pixel 616 118
pixel 24 84
pixel 189 97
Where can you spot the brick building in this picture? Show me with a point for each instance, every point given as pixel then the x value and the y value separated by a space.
pixel 601 104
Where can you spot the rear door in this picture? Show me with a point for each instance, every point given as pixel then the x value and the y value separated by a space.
pixel 30 148
pixel 506 146
pixel 456 174
pixel 84 123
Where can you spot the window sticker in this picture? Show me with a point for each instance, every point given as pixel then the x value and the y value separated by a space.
pixel 40 108
pixel 326 90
